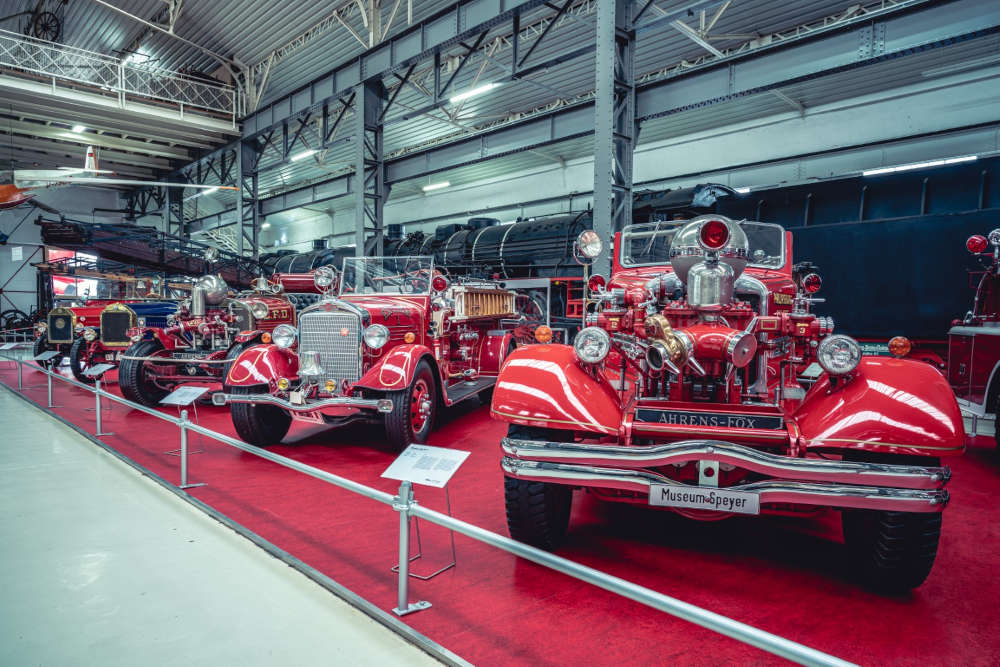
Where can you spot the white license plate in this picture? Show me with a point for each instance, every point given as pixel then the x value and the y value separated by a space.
pixel 704 498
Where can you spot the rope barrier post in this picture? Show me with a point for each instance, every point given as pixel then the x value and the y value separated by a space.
pixel 402 504
pixel 48 377
pixel 184 452
pixel 97 400
pixel 20 384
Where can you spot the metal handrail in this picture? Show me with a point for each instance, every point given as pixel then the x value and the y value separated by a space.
pixel 405 504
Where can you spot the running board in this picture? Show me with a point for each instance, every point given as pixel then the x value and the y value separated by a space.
pixel 463 390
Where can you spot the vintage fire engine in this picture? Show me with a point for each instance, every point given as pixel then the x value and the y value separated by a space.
pixel 686 392
pixel 974 341
pixel 103 341
pixel 396 342
pixel 200 339
pixel 63 325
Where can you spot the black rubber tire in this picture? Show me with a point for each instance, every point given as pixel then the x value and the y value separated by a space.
pixel 537 512
pixel 132 375
pixel 259 425
pixel 891 552
pixel 76 361
pixel 399 431
pixel 42 345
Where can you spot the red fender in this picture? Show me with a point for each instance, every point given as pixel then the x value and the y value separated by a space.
pixel 262 364
pixel 897 406
pixel 395 370
pixel 491 353
pixel 545 385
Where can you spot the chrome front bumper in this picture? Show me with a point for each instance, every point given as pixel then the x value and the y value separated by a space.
pixel 802 481
pixel 336 404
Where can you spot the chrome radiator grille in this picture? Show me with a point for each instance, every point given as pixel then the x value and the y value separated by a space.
pixel 340 354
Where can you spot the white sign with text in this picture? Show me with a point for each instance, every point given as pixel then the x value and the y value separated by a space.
pixel 183 395
pixel 423 464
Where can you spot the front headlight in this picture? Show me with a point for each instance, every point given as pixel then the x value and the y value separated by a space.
pixel 259 310
pixel 284 335
pixel 838 354
pixel 89 335
pixel 142 322
pixel 592 344
pixel 324 277
pixel 376 335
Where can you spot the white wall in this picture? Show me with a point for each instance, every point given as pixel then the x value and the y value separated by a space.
pixel 18 277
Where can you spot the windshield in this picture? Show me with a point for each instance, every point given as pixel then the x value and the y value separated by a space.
pixel 648 244
pixel 387 275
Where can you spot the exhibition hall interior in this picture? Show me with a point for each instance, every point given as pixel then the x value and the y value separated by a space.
pixel 499 332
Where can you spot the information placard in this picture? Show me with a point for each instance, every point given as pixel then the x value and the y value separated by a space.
pixel 183 395
pixel 98 370
pixel 423 464
pixel 45 356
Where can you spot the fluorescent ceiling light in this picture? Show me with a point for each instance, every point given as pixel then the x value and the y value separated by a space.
pixel 919 165
pixel 436 186
pixel 745 189
pixel 265 225
pixel 79 129
pixel 473 92
pixel 303 155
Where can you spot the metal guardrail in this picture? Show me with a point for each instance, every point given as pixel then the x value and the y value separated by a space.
pixel 407 506
pixel 110 75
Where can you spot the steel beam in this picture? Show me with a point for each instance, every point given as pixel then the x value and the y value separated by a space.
pixel 247 205
pixel 812 56
pixel 369 167
pixel 614 124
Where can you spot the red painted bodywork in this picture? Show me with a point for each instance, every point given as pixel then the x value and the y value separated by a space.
pixel 886 405
pixel 262 364
pixel 394 369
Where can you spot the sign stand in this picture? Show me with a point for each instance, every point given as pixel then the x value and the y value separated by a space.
pixel 180 397
pixel 430 466
pixel 97 408
pixel 97 372
pixel 46 356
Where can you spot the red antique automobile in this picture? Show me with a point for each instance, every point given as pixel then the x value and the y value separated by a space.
pixel 974 341
pixel 398 341
pixel 201 339
pixel 63 325
pixel 704 385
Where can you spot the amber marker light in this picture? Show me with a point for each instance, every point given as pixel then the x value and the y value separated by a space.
pixel 900 346
pixel 330 385
pixel 543 334
pixel 283 384
pixel 409 337
pixel 265 338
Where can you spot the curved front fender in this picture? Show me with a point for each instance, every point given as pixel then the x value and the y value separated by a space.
pixel 262 364
pixel 394 370
pixel 898 406
pixel 491 355
pixel 544 385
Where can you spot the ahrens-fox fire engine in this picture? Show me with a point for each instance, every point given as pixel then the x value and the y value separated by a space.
pixel 689 390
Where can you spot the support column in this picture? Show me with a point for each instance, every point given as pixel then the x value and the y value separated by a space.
pixel 369 174
pixel 173 211
pixel 614 124
pixel 247 204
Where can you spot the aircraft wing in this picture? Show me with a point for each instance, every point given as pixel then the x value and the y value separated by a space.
pixel 122 181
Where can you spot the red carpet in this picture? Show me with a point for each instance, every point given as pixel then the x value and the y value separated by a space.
pixel 785 576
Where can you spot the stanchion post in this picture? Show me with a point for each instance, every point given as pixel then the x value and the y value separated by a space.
pixel 184 449
pixel 20 384
pixel 97 407
pixel 48 376
pixel 402 504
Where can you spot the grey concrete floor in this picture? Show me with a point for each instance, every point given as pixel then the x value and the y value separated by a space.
pixel 101 566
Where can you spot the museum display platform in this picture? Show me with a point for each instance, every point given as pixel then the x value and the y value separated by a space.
pixel 784 576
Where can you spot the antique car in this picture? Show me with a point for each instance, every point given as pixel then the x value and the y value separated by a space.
pixel 684 393
pixel 63 325
pixel 397 341
pixel 103 341
pixel 974 342
pixel 200 339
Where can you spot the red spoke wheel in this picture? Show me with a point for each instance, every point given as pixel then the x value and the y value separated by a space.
pixel 413 409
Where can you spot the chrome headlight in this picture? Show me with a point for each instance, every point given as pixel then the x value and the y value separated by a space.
pixel 259 310
pixel 141 322
pixel 589 243
pixel 284 335
pixel 376 335
pixel 324 277
pixel 838 354
pixel 89 335
pixel 592 345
